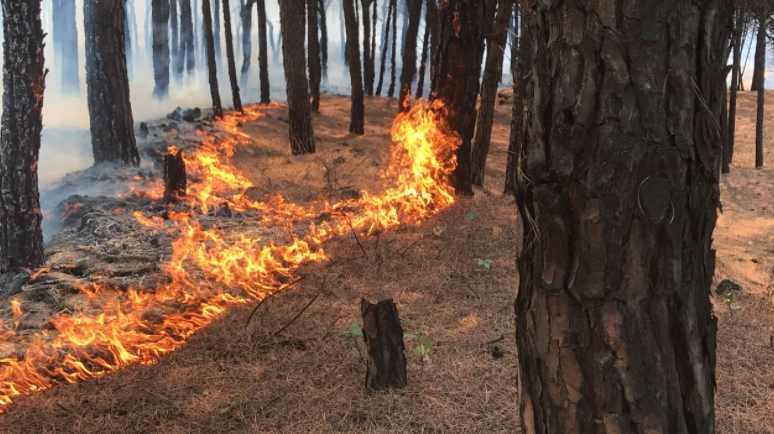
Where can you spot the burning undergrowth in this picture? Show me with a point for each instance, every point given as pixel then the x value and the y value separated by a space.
pixel 130 278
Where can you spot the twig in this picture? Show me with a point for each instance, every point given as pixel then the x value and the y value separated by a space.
pixel 411 245
pixel 271 294
pixel 302 310
pixel 494 341
pixel 355 234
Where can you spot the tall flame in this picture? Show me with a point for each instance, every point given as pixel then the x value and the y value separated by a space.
pixel 211 270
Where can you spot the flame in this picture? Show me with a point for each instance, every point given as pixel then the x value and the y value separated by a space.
pixel 212 270
pixel 70 209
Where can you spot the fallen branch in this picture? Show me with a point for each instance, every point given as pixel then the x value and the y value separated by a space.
pixel 302 311
pixel 355 234
pixel 271 294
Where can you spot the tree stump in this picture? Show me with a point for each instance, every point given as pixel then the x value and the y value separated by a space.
pixel 383 336
pixel 175 180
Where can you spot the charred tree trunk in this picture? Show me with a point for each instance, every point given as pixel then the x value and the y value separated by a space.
pixel 423 60
pixel 187 49
pixel 175 41
pixel 24 81
pixel 232 73
pixel 212 67
pixel 175 179
pixel 323 39
pixel 410 54
pixel 492 73
pixel 369 86
pixel 383 337
pixel 247 39
pixel 455 78
pixel 69 44
pixel 110 109
pixel 299 109
pixel 160 20
pixel 263 53
pixel 614 324
pixel 758 81
pixel 385 46
pixel 313 45
pixel 735 79
pixel 394 50
pixel 521 64
pixel 357 118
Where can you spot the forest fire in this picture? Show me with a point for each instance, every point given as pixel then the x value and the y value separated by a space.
pixel 211 269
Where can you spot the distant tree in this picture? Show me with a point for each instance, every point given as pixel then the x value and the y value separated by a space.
pixel 759 66
pixel 216 27
pixel 357 117
pixel 160 19
pixel 455 77
pixel 736 77
pixel 110 108
pixel 212 67
pixel 393 47
pixel 425 46
pixel 495 49
pixel 175 38
pixel 247 39
pixel 410 54
pixel 187 48
pixel 313 46
pixel 365 5
pixel 758 80
pixel 323 39
pixel 232 74
pixel 299 109
pixel 385 46
pixel 68 41
pixel 372 59
pixel 263 53
pixel 24 82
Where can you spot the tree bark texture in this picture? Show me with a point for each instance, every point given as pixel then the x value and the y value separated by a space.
pixel 110 108
pixel 758 80
pixel 619 200
pixel 247 40
pixel 300 111
pixel 24 81
pixel 493 71
pixel 410 54
pixel 232 73
pixel 383 336
pixel 357 116
pixel 212 66
pixel 263 53
pixel 69 45
pixel 313 45
pixel 160 19
pixel 455 78
pixel 521 72
pixel 365 5
pixel 175 178
pixel 187 48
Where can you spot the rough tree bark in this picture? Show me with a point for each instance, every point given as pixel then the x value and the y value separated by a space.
pixel 493 71
pixel 160 19
pixel 323 39
pixel 735 79
pixel 175 39
pixel 212 66
pixel 357 117
pixel 247 39
pixel 385 46
pixel 110 109
pixel 187 48
pixel 263 53
pixel 619 199
pixel 409 54
pixel 758 80
pixel 383 337
pixel 313 45
pixel 521 52
pixel 175 178
pixel 455 77
pixel 24 81
pixel 299 109
pixel 368 85
pixel 232 73
pixel 69 45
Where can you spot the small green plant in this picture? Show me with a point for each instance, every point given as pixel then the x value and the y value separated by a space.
pixel 423 345
pixel 486 263
pixel 729 300
pixel 355 330
pixel 473 215
pixel 234 403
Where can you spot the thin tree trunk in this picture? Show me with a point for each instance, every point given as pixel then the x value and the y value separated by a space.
pixel 263 52
pixel 56 30
pixel 299 109
pixel 69 44
pixel 423 60
pixel 385 46
pixel 232 72
pixel 455 78
pixel 365 5
pixel 357 118
pixel 758 80
pixel 313 45
pixel 735 79
pixel 110 108
pixel 24 82
pixel 521 61
pixel 187 50
pixel 492 72
pixel 343 38
pixel 177 66
pixel 323 39
pixel 212 67
pixel 247 40
pixel 274 51
pixel 216 27
pixel 372 59
pixel 391 89
pixel 725 164
pixel 614 324
pixel 410 54
pixel 160 18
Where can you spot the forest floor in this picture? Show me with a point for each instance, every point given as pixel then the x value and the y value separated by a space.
pixel 238 378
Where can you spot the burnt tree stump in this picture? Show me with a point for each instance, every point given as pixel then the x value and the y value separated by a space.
pixel 175 180
pixel 383 336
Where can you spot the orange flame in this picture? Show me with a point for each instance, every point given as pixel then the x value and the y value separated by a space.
pixel 211 270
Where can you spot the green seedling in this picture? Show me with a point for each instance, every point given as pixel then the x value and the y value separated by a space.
pixel 473 215
pixel 354 331
pixel 729 300
pixel 486 263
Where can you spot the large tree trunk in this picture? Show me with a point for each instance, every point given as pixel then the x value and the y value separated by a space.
pixel 314 63
pixel 619 198
pixel 69 45
pixel 247 40
pixel 323 39
pixel 758 81
pixel 521 61
pixel 175 32
pixel 300 111
pixel 385 46
pixel 160 48
pixel 212 66
pixel 735 79
pixel 187 48
pixel 369 86
pixel 492 73
pixel 410 54
pixel 263 53
pixel 24 81
pixel 232 73
pixel 357 118
pixel 110 109
pixel 455 77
